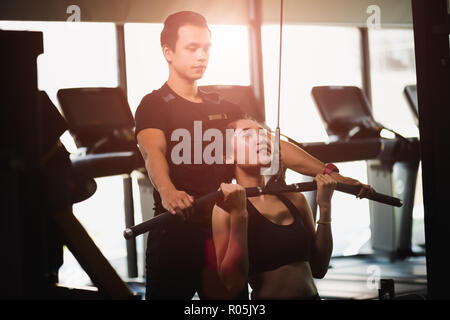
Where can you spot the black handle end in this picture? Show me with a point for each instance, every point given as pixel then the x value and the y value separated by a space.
pixel 128 233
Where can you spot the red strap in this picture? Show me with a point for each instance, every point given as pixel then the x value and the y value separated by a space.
pixel 329 168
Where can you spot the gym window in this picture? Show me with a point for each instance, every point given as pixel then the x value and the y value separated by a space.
pixel 147 69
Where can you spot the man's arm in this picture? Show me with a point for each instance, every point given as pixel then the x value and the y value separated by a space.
pixel 295 158
pixel 152 144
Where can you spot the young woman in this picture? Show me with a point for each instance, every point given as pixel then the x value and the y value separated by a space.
pixel 269 241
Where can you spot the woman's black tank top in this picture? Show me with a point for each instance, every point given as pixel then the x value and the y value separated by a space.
pixel 271 245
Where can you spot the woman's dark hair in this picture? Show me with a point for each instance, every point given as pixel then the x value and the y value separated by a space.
pixel 169 35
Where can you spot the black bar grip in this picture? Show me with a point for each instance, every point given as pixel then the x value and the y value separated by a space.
pixel 145 226
pixel 379 197
pixel 351 189
pixel 165 217
pixel 252 192
pixel 210 197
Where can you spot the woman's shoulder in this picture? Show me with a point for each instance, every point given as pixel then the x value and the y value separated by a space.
pixel 297 198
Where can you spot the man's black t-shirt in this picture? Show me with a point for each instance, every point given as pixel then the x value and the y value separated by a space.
pixel 165 110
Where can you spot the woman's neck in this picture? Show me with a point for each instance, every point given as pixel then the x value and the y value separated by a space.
pixel 249 177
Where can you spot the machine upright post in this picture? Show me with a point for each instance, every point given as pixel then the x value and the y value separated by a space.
pixel 129 221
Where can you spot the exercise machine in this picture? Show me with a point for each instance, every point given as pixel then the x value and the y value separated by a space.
pixel 39 185
pixel 391 163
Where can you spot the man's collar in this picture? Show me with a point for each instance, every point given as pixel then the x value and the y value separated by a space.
pixel 168 94
pixel 211 97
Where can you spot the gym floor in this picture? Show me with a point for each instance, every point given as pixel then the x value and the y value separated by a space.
pixel 357 277
pixel 353 277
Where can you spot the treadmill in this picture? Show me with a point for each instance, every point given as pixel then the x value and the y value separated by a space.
pixel 348 119
pixel 102 125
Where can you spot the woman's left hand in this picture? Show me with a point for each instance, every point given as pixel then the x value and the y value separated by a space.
pixel 325 188
pixel 365 191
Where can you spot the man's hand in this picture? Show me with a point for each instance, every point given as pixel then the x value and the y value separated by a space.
pixel 365 191
pixel 177 202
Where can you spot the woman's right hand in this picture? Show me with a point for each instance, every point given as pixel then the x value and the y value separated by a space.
pixel 325 188
pixel 234 198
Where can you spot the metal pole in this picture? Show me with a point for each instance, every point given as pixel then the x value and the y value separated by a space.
pixel 256 60
pixel 127 181
pixel 129 222
pixel 365 63
pixel 431 23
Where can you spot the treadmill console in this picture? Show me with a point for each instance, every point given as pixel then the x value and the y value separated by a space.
pixel 99 118
pixel 345 112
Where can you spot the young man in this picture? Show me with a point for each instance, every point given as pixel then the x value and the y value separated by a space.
pixel 176 253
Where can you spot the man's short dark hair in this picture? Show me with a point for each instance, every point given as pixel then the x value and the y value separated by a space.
pixel 169 35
